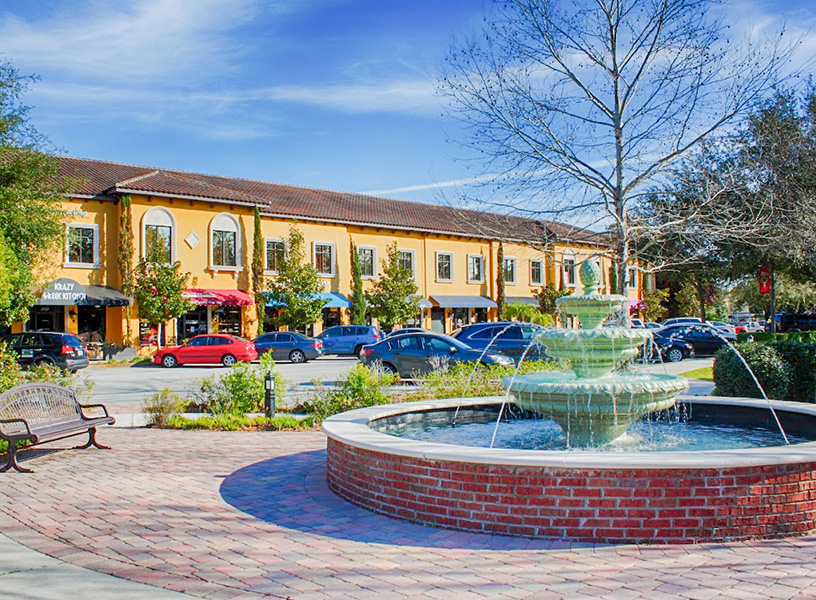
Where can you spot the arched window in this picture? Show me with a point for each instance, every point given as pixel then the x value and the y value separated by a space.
pixel 158 235
pixel 225 242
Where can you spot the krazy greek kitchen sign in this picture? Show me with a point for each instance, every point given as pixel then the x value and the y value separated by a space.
pixel 63 292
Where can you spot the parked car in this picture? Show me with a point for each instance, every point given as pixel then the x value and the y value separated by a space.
pixel 682 321
pixel 405 330
pixel 348 339
pixel 289 345
pixel 508 337
pixel 703 338
pixel 415 354
pixel 63 350
pixel 752 327
pixel 796 321
pixel 727 327
pixel 208 348
pixel 666 350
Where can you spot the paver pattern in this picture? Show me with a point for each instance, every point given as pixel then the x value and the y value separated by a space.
pixel 248 515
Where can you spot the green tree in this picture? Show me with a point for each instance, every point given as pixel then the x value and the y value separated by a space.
pixel 500 297
pixel 791 295
pixel 296 286
pixel 31 216
pixel 547 296
pixel 126 252
pixel 7 268
pixel 159 291
pixel 518 311
pixel 359 305
pixel 257 271
pixel 393 297
pixel 653 301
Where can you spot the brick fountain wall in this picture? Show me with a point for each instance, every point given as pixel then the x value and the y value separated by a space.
pixel 596 505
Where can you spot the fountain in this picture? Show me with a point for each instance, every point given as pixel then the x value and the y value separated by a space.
pixel 592 405
pixel 598 489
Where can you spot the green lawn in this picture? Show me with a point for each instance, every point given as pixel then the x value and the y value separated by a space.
pixel 705 374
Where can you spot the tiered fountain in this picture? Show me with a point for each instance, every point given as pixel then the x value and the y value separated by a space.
pixel 591 404
pixel 596 490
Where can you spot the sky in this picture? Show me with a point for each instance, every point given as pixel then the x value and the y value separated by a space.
pixel 331 94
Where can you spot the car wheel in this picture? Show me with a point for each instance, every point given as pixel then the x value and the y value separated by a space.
pixel 389 368
pixel 228 360
pixel 674 355
pixel 169 361
pixel 297 356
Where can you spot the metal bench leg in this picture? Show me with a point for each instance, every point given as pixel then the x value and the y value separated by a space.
pixel 92 441
pixel 12 460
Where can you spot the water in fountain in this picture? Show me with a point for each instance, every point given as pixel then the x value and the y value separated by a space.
pixel 592 404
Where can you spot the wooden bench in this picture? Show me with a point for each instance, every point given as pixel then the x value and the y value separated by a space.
pixel 43 412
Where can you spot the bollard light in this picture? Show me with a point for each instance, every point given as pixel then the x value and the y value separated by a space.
pixel 269 396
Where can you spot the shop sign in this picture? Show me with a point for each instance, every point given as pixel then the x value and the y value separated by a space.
pixel 75 212
pixel 764 280
pixel 63 292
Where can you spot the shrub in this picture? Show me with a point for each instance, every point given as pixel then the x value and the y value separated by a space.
pixel 805 337
pixel 465 380
pixel 80 383
pixel 732 379
pixel 162 407
pixel 800 359
pixel 362 387
pixel 9 369
pixel 238 392
pixel 242 423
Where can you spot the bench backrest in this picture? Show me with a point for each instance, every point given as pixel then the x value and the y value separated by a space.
pixel 38 404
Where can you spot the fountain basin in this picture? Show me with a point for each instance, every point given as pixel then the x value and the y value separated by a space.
pixel 596 410
pixel 594 352
pixel 674 497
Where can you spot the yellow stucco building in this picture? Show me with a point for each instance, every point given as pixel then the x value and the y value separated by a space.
pixel 206 223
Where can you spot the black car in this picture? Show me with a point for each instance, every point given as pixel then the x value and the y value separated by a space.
pixel 287 345
pixel 508 337
pixel 415 354
pixel 703 338
pixel 63 350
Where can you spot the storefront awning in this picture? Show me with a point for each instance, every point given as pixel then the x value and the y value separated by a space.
pixel 522 300
pixel 62 292
pixel 102 295
pixel 333 300
pixel 424 302
pixel 463 302
pixel 206 297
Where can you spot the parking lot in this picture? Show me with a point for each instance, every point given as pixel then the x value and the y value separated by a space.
pixel 124 388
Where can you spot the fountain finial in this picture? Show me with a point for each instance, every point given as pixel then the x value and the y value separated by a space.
pixel 590 273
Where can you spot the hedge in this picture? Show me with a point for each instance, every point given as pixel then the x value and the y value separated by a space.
pixel 800 359
pixel 805 337
pixel 732 379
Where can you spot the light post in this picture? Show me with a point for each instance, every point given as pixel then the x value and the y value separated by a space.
pixel 269 394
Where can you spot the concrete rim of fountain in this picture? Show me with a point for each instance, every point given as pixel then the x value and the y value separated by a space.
pixel 352 428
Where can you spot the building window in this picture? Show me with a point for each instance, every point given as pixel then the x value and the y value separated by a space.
pixel 368 261
pixel 536 272
pixel 274 255
pixel 631 277
pixel 225 245
pixel 82 247
pixel 324 259
pixel 158 229
pixel 444 266
pixel 510 270
pixel 406 261
pixel 475 268
pixel 568 277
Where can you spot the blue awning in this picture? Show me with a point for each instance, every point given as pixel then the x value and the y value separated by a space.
pixel 463 302
pixel 333 300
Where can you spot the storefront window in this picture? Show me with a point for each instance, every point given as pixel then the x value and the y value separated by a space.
pixel 192 324
pixel 228 319
pixel 46 318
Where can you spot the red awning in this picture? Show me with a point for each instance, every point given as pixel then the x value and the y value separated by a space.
pixel 204 297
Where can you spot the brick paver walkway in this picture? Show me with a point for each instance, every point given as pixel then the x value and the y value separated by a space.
pixel 248 515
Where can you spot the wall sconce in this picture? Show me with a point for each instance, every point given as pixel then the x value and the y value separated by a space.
pixel 72 313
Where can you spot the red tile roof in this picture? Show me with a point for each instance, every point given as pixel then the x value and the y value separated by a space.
pixel 101 179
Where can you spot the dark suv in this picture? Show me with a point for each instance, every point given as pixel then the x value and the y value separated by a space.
pixel 508 337
pixel 348 339
pixel 63 350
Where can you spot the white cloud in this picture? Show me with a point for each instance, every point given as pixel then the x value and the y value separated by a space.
pixel 119 41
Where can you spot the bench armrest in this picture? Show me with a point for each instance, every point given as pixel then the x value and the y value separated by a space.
pixel 84 406
pixel 9 422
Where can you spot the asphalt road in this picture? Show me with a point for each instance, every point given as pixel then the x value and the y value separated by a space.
pixel 124 388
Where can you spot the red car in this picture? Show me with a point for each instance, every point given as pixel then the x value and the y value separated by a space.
pixel 209 348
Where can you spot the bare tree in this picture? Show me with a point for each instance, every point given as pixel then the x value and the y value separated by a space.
pixel 580 107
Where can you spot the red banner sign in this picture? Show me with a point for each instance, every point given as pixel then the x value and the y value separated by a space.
pixel 764 280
